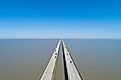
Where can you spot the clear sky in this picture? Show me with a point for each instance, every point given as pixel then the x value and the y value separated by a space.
pixel 60 19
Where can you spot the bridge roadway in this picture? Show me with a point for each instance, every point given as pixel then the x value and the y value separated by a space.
pixel 49 70
pixel 71 71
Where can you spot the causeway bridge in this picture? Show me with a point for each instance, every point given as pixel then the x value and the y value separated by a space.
pixel 70 69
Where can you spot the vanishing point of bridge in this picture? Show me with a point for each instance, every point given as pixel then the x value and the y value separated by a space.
pixel 70 70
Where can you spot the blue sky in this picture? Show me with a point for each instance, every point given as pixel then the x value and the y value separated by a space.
pixel 60 19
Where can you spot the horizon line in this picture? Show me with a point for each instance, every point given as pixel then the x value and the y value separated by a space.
pixel 58 38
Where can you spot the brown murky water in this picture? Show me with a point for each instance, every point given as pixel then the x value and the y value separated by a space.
pixel 26 59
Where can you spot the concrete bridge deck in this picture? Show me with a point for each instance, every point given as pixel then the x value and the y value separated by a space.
pixel 71 71
pixel 49 71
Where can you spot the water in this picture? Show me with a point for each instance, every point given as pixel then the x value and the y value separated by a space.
pixel 26 59
pixel 97 59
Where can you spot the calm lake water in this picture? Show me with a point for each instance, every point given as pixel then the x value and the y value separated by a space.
pixel 26 59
